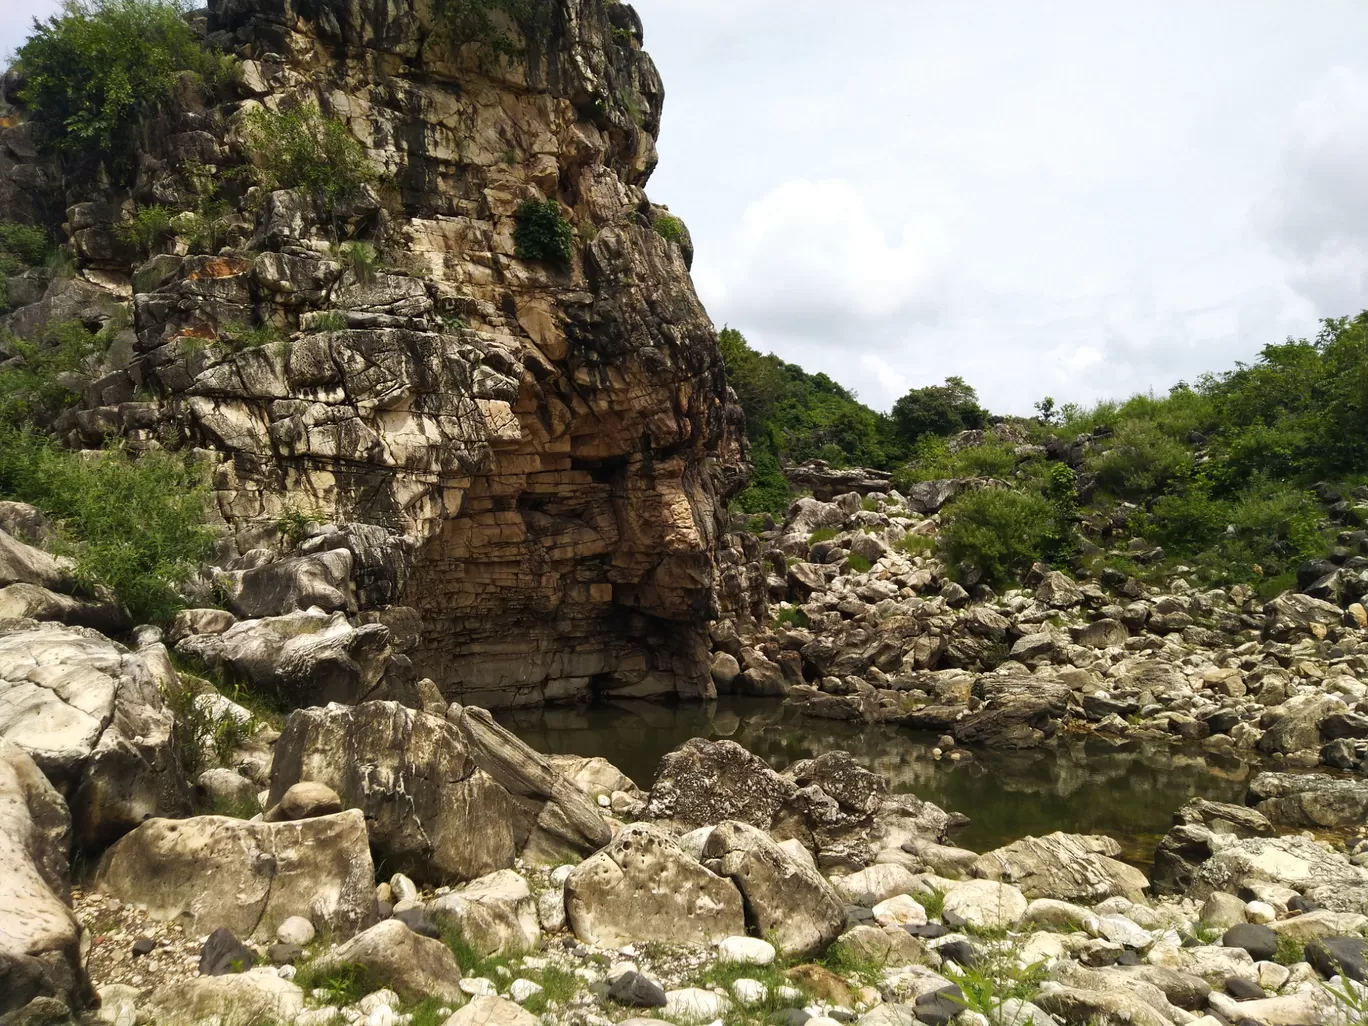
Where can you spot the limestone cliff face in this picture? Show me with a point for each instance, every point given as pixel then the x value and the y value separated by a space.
pixel 549 449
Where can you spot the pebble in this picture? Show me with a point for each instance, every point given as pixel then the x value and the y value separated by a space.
pixel 478 986
pixel 521 990
pixel 1260 912
pixel 745 951
pixel 749 992
pixel 295 930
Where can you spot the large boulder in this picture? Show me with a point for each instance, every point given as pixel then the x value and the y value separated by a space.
pixel 413 966
pixel 91 715
pixel 1297 727
pixel 239 999
pixel 1290 616
pixel 644 887
pixel 433 814
pixel 303 657
pixel 1199 825
pixel 322 580
pixel 1309 867
pixel 40 951
pixel 1310 799
pixel 786 899
pixel 495 915
pixel 703 782
pixel 250 877
pixel 1069 867
pixel 555 816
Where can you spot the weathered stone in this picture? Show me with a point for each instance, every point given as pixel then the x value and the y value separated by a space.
pixel 90 713
pixel 495 914
pixel 1068 867
pixel 643 887
pixel 242 999
pixel 984 904
pixel 413 966
pixel 703 782
pixel 263 873
pixel 1310 800
pixel 431 812
pixel 786 900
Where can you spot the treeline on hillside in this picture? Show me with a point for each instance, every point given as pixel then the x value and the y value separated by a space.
pixel 1219 474
pixel 793 416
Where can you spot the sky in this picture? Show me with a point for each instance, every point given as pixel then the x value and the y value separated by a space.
pixel 1071 198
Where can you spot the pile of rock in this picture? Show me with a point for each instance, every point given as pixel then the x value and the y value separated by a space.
pixel 869 626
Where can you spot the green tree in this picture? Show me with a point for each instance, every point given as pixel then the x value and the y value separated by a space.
pixel 95 73
pixel 938 410
pixel 995 533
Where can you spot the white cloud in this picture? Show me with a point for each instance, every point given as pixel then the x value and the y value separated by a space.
pixel 1317 216
pixel 810 258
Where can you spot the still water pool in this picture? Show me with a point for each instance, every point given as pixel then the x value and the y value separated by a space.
pixel 1128 791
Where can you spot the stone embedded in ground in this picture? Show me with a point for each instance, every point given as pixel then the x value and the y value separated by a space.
pixel 494 914
pixel 262 873
pixel 241 999
pixel 940 1007
pixel 295 930
pixel 1067 867
pixel 636 990
pixel 643 887
pixel 1243 990
pixel 984 904
pixel 704 782
pixel 899 910
pixel 491 1011
pixel 1339 956
pixel 878 883
pixel 223 953
pixel 306 799
pixel 745 951
pixel 1258 940
pixel 695 1005
pixel 413 966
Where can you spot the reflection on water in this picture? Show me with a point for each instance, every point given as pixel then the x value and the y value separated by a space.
pixel 1128 792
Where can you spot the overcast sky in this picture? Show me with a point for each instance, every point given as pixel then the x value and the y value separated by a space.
pixel 1064 197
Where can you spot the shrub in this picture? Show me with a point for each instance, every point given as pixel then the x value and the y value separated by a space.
pixel 1141 461
pixel 302 148
pixel 148 227
pixel 995 532
pixel 822 534
pixel 793 616
pixel 769 490
pixel 938 410
pixel 669 227
pixel 134 526
pixel 94 73
pixel 22 246
pixel 30 385
pixel 541 233
pixel 361 258
pixel 915 544
pixel 858 563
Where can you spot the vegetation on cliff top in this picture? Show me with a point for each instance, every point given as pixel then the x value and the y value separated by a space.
pixel 1218 473
pixel 95 73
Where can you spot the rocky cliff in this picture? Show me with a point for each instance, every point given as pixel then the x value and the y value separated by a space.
pixel 530 459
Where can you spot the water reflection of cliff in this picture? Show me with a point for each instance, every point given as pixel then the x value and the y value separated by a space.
pixel 1129 792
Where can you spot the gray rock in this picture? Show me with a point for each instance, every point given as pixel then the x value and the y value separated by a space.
pixel 1339 956
pixel 223 953
pixel 636 991
pixel 1258 940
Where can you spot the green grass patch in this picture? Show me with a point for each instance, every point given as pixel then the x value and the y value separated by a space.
pixel 344 983
pixel 1290 950
pixel 792 617
pixel 858 563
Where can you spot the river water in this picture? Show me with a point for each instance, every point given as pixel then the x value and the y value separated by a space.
pixel 1128 791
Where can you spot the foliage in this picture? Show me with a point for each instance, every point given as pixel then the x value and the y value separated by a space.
pixel 22 246
pixel 792 616
pixel 96 72
pixel 200 739
pixel 995 532
pixel 302 148
pixel 915 544
pixel 938 410
pixel 996 978
pixel 822 534
pixel 238 338
pixel 361 258
pixel 1141 460
pixel 135 526
pixel 669 227
pixel 844 960
pixel 344 983
pixel 793 416
pixel 32 387
pixel 858 564
pixel 328 321
pixel 148 227
pixel 542 233
pixel 933 460
pixel 487 23
pixel 1290 950
pixel 294 522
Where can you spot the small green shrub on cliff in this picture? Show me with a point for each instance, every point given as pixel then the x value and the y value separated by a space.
pixel 134 526
pixel 996 531
pixel 148 227
pixel 541 233
pixel 302 148
pixel 858 564
pixel 490 23
pixel 31 383
pixel 669 227
pixel 94 73
pixel 22 246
